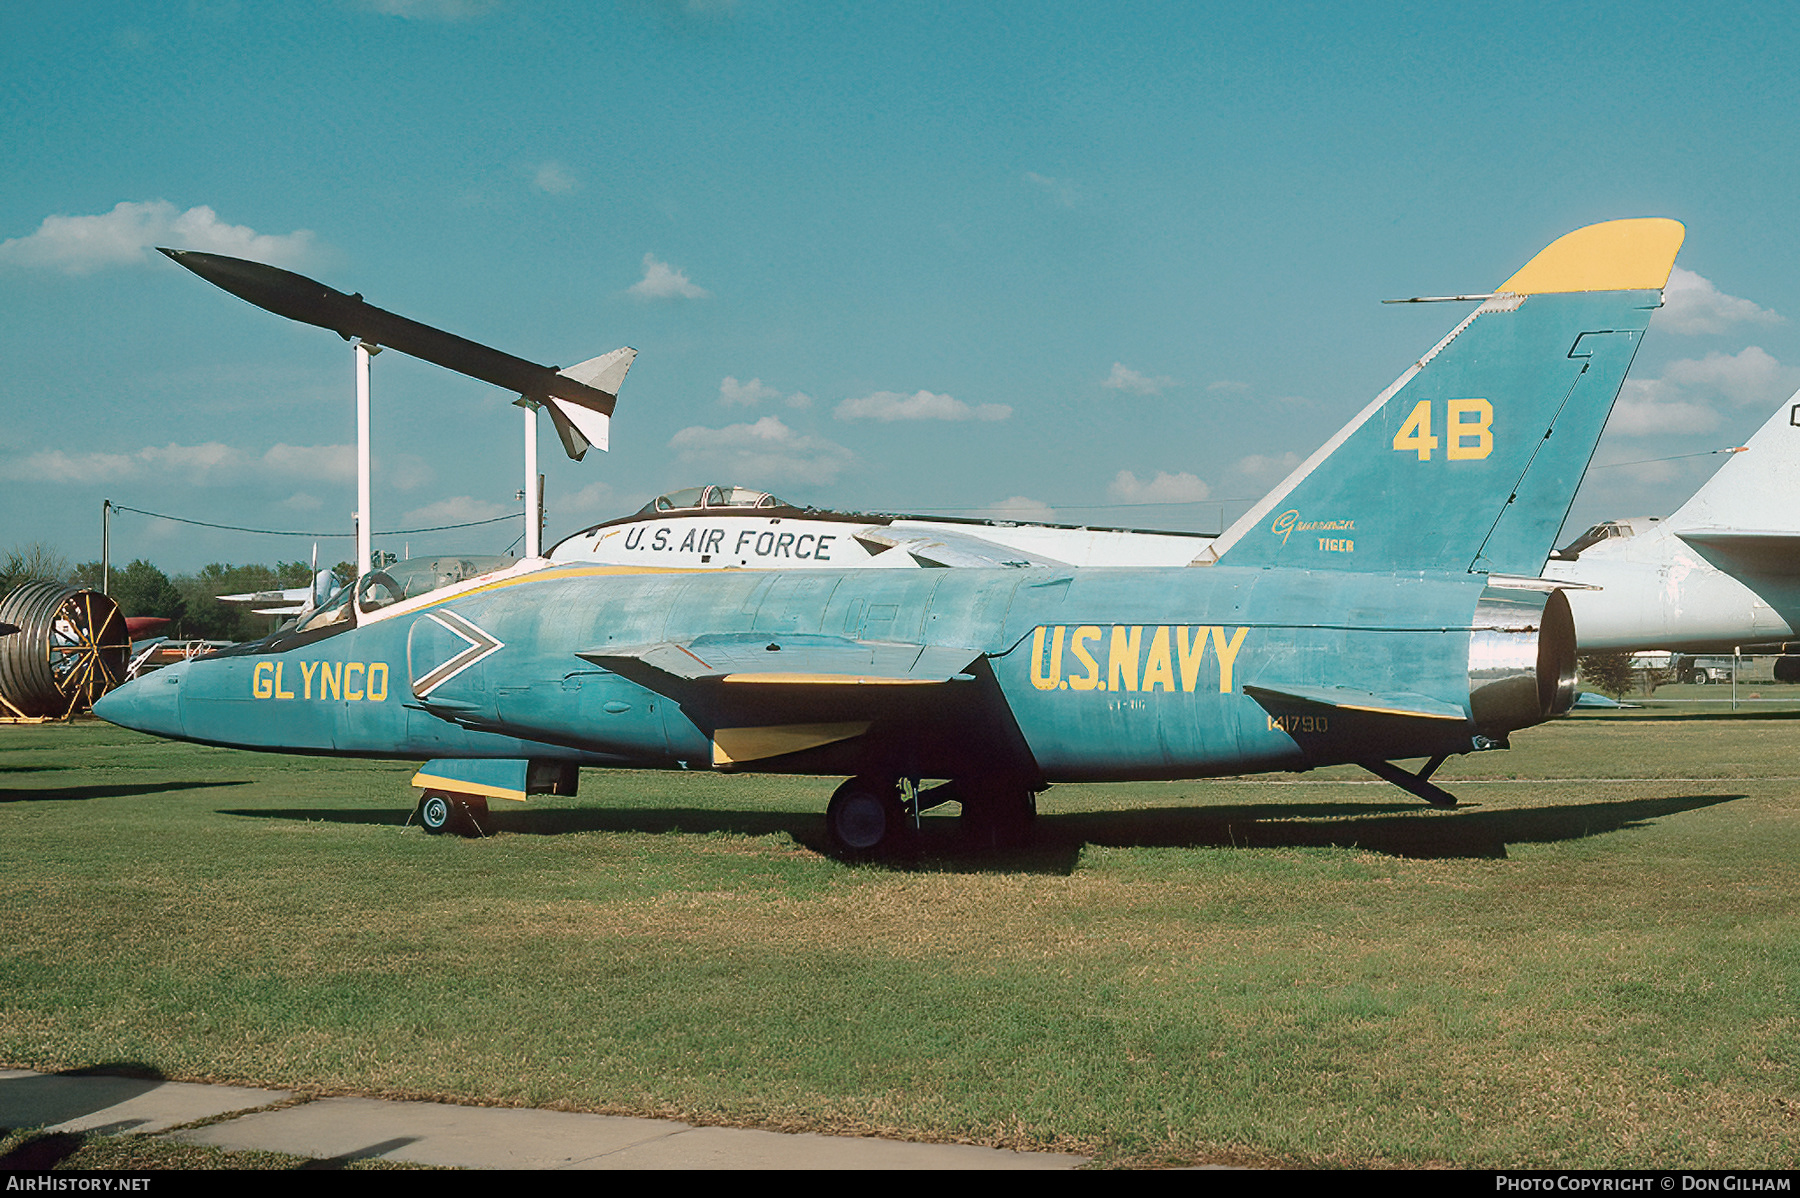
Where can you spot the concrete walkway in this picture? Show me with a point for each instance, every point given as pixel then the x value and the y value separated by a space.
pixel 435 1133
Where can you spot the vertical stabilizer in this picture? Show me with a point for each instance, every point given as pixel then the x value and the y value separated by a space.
pixel 1758 487
pixel 1471 459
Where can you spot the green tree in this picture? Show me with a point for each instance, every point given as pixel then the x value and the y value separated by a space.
pixel 214 621
pixel 1609 673
pixel 140 589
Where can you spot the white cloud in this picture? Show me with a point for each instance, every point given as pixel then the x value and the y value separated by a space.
pixel 662 281
pixel 460 509
pixel 433 10
pixel 1164 488
pixel 1750 377
pixel 1060 190
pixel 210 464
pixel 1641 417
pixel 1021 508
pixel 889 406
pixel 127 235
pixel 799 400
pixel 554 178
pixel 334 463
pixel 763 453
pixel 593 500
pixel 300 501
pixel 1123 378
pixel 1268 469
pixel 1685 398
pixel 746 395
pixel 1229 385
pixel 1691 304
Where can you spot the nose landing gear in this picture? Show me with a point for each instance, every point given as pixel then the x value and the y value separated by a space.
pixel 443 811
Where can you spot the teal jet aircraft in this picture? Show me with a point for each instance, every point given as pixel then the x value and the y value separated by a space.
pixel 1383 604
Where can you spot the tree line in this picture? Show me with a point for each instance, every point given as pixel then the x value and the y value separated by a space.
pixel 189 601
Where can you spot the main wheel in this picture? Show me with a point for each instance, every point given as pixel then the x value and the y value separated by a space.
pixel 441 811
pixel 866 818
pixel 1700 678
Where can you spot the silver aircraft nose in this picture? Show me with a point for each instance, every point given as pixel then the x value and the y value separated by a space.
pixel 149 704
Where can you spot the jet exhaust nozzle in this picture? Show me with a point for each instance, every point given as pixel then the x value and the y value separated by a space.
pixel 1521 660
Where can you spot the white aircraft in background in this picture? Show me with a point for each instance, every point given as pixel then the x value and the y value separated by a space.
pixel 291 601
pixel 719 527
pixel 1722 572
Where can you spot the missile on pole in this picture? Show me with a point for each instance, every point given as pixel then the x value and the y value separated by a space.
pixel 580 398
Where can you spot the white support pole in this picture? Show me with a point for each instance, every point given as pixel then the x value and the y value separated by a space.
pixel 534 517
pixel 365 548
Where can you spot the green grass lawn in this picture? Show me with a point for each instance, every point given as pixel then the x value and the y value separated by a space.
pixel 1593 962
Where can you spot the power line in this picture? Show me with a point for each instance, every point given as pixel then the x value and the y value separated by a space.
pixel 278 532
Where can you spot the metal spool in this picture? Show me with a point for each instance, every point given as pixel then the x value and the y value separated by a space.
pixel 71 648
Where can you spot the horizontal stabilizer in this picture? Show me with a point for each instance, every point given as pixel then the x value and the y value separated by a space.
pixel 1764 551
pixel 945 549
pixel 1343 698
pixel 786 659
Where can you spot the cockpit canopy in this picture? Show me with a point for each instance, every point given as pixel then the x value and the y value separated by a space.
pixel 1600 532
pixel 694 499
pixel 402 580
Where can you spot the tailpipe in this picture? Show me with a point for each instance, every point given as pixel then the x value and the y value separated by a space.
pixel 1521 660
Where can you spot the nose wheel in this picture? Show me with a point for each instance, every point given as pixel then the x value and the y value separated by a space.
pixel 442 811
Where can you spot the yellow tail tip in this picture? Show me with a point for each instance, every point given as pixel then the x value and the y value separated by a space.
pixel 1616 255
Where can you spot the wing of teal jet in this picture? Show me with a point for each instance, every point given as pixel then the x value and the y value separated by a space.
pixel 1381 605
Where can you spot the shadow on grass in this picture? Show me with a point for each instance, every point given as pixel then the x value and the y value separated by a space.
pixel 1396 829
pixel 69 793
pixel 1688 717
pixel 45 1100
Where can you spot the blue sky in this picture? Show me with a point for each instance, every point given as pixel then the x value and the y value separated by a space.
pixel 1117 264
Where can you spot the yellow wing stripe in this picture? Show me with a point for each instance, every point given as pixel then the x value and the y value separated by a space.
pixel 826 680
pixel 425 781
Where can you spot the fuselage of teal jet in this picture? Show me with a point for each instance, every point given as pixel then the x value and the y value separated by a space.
pixel 1381 604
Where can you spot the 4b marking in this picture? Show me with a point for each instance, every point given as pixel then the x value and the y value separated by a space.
pixel 1468 424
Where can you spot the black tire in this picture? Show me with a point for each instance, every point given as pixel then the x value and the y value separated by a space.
pixel 866 818
pixel 436 812
pixel 1700 678
pixel 1787 669
pixel 459 814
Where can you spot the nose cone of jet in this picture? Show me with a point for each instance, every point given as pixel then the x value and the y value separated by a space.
pixel 150 704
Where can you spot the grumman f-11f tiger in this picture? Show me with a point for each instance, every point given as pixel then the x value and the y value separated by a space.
pixel 1382 604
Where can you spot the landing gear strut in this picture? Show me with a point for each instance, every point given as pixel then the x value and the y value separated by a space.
pixel 1414 784
pixel 443 811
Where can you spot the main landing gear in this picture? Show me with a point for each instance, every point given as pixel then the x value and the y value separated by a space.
pixel 869 816
pixel 443 811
